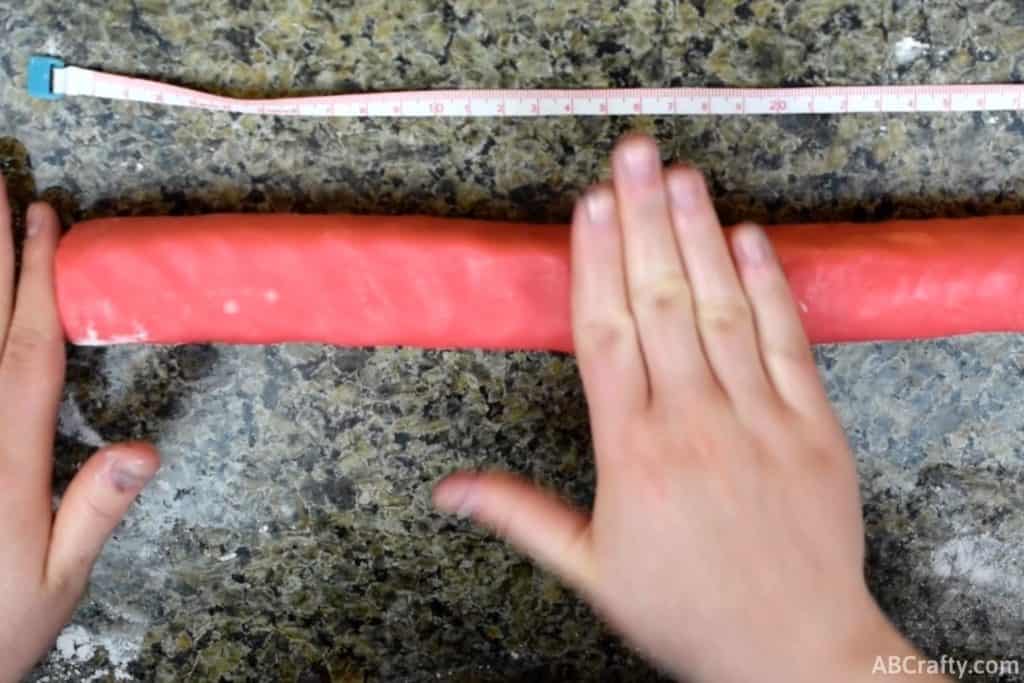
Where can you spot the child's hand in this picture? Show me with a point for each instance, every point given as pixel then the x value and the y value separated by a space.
pixel 726 538
pixel 45 559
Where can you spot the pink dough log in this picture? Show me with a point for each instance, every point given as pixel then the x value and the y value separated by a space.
pixel 445 283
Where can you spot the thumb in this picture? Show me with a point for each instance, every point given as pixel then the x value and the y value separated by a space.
pixel 535 521
pixel 93 505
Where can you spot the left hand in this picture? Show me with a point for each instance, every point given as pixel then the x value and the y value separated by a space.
pixel 45 558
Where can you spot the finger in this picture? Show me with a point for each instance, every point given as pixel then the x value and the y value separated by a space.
pixel 659 293
pixel 32 365
pixel 94 504
pixel 6 261
pixel 724 320
pixel 534 521
pixel 784 346
pixel 607 349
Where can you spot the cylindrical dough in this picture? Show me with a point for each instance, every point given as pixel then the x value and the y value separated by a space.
pixel 446 283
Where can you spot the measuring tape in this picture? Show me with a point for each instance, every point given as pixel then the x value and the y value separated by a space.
pixel 50 79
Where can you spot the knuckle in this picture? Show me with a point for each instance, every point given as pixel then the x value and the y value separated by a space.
pixel 824 466
pixel 577 540
pixel 725 318
pixel 101 513
pixel 501 524
pixel 774 425
pixel 30 346
pixel 774 289
pixel 665 295
pixel 68 583
pixel 791 353
pixel 690 179
pixel 605 334
pixel 9 480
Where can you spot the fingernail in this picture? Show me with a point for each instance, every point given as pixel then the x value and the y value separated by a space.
pixel 640 161
pixel 458 498
pixel 753 247
pixel 684 188
pixel 601 206
pixel 129 475
pixel 33 222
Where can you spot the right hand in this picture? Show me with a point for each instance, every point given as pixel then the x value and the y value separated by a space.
pixel 726 540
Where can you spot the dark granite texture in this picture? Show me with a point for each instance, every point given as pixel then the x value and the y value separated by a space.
pixel 290 536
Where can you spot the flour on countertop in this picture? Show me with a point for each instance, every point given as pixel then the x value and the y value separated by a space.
pixel 908 49
pixel 72 424
pixel 77 645
pixel 981 560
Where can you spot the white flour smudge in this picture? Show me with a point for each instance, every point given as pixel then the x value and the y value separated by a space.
pixel 982 561
pixel 78 645
pixel 908 49
pixel 92 337
pixel 73 425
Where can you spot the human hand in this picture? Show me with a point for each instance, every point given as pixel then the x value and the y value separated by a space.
pixel 45 558
pixel 726 539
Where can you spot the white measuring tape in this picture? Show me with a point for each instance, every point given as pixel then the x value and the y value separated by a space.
pixel 49 78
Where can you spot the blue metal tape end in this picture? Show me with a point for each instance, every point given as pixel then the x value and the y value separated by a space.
pixel 40 77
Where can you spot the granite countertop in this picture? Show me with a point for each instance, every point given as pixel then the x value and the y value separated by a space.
pixel 289 536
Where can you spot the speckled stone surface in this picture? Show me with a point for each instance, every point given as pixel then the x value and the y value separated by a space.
pixel 289 536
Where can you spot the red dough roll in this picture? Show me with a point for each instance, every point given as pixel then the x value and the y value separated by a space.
pixel 444 283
